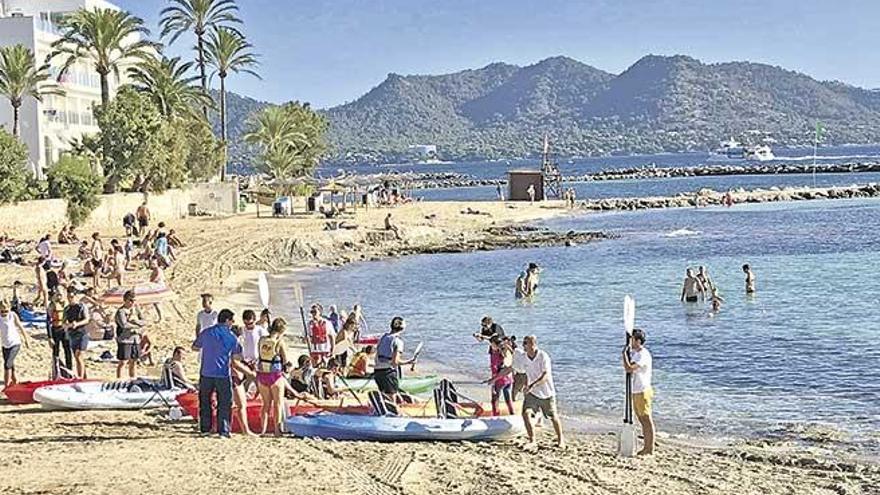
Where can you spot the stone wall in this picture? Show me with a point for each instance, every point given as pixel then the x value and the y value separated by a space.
pixel 28 218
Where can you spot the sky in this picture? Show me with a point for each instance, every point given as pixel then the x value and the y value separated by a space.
pixel 328 52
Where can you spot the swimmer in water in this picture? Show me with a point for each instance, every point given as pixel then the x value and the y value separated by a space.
pixel 717 300
pixel 750 279
pixel 692 289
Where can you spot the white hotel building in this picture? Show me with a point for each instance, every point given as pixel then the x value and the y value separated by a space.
pixel 48 128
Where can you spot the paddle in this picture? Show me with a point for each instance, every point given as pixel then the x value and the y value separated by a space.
pixel 347 386
pixel 300 301
pixel 416 356
pixel 263 286
pixel 626 441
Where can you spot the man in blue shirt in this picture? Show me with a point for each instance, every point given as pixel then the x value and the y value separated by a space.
pixel 220 350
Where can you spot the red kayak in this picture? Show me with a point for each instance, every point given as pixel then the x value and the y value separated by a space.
pixel 23 393
pixel 189 402
pixel 369 339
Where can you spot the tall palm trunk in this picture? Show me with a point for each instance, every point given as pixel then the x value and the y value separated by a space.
pixel 105 89
pixel 15 108
pixel 223 124
pixel 201 49
pixel 112 181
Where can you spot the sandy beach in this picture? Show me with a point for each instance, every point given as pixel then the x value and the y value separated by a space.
pixel 117 452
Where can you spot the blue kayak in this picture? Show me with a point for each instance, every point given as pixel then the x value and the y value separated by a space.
pixel 395 429
pixel 32 318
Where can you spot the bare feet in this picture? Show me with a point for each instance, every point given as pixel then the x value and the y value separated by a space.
pixel 560 444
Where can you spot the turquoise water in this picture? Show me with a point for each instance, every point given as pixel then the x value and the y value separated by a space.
pixel 800 352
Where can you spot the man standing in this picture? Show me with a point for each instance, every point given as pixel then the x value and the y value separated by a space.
pixel 532 278
pixel 220 351
pixel 250 337
pixel 143 216
pixel 637 360
pixel 531 193
pixel 321 335
pixel 750 279
pixel 389 357
pixel 540 392
pixel 207 317
pixel 76 321
pixel 692 288
pixel 129 322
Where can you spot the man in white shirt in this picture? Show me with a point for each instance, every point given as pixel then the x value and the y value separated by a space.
pixel 250 336
pixel 207 317
pixel 540 392
pixel 637 360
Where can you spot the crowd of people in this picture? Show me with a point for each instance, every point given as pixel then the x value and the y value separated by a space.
pixel 699 287
pixel 74 301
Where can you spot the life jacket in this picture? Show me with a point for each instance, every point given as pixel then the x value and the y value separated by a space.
pixel 318 332
pixel 268 358
pixel 56 315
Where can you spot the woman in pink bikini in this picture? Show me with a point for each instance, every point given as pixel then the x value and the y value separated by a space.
pixel 270 374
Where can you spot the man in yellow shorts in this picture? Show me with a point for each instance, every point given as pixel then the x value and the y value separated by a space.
pixel 640 365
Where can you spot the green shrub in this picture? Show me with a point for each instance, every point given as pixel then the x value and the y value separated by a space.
pixel 72 179
pixel 13 172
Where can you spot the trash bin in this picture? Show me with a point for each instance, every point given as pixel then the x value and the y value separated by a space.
pixel 192 209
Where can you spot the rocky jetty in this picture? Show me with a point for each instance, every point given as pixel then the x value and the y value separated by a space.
pixel 709 197
pixel 447 180
pixel 508 238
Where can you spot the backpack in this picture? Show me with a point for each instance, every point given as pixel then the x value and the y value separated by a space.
pixel 318 331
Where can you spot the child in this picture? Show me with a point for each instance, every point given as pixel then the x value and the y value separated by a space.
pixel 360 363
pixel 716 300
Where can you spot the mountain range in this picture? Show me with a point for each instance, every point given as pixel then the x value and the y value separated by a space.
pixel 659 104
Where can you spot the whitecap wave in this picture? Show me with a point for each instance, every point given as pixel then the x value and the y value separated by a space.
pixel 682 233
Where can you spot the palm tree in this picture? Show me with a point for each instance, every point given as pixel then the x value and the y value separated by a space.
pixel 227 51
pixel 277 135
pixel 198 16
pixel 20 77
pixel 167 83
pixel 104 38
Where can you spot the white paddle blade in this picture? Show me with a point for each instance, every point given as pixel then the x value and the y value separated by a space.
pixel 418 350
pixel 626 441
pixel 263 286
pixel 629 314
pixel 298 295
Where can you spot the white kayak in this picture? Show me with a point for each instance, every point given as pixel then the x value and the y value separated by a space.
pixel 390 429
pixel 138 394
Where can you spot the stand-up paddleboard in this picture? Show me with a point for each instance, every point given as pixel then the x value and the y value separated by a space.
pixel 626 441
pixel 263 286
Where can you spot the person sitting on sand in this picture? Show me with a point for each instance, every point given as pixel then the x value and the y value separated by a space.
pixel 175 371
pixel 692 289
pixel 328 379
pixel 389 226
pixel 750 279
pixel 84 253
pixel 540 391
pixel 637 360
pixel 272 356
pixel 360 363
pixel 301 378
pixel 64 236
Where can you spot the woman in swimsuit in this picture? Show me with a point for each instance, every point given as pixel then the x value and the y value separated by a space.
pixel 270 374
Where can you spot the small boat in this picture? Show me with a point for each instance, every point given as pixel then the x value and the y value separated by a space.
pixel 731 149
pixel 23 393
pixel 761 153
pixel 391 429
pixel 145 293
pixel 134 394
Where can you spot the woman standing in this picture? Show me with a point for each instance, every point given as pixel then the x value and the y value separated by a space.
pixel 11 336
pixel 500 357
pixel 270 374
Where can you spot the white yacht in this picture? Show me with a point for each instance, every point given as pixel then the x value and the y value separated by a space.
pixel 761 153
pixel 731 149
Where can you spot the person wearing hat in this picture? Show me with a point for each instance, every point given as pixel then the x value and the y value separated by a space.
pixel 12 335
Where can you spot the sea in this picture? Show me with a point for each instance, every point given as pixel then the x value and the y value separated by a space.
pixel 798 360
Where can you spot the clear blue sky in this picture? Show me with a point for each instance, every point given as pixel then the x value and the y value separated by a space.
pixel 331 51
